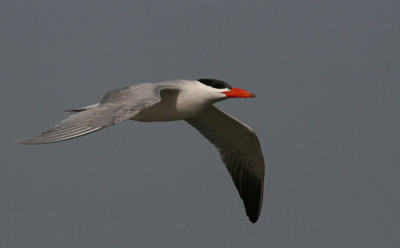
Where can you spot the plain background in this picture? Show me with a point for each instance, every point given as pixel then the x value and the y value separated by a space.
pixel 327 76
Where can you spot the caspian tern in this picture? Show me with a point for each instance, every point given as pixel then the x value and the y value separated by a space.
pixel 191 101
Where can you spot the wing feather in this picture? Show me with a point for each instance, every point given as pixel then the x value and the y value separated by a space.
pixel 79 124
pixel 240 150
pixel 116 106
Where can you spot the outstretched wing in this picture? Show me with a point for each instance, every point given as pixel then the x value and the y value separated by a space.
pixel 240 151
pixel 116 106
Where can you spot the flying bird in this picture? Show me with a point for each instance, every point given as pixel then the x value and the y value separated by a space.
pixel 173 100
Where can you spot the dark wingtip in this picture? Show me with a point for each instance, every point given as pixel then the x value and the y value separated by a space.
pixel 253 219
pixel 253 201
pixel 253 214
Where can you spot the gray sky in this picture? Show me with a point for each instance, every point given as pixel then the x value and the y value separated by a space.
pixel 327 77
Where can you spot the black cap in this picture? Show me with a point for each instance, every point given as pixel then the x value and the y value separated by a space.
pixel 215 83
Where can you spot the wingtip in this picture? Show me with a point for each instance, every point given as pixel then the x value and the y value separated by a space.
pixel 22 141
pixel 29 141
pixel 253 219
pixel 18 142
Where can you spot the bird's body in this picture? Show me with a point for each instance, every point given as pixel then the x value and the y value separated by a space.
pixel 191 98
pixel 178 100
